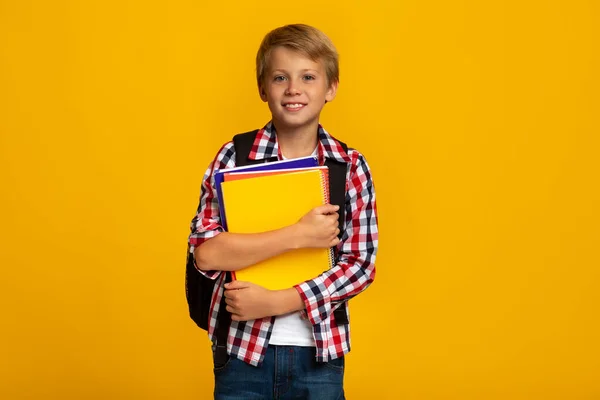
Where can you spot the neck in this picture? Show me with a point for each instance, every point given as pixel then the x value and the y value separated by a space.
pixel 297 142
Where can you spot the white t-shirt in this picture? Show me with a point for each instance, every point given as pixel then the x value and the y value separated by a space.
pixel 290 329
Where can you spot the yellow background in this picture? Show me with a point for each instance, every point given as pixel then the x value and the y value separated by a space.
pixel 480 122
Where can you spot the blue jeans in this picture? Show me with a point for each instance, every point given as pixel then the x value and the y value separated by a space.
pixel 287 372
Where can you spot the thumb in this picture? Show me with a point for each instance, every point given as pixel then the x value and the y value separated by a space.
pixel 236 285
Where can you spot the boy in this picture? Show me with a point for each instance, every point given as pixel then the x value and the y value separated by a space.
pixel 288 343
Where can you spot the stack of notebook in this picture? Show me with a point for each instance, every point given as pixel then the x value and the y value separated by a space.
pixel 265 197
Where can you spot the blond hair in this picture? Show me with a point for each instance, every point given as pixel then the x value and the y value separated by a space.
pixel 304 39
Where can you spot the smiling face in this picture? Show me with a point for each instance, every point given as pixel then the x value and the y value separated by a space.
pixel 296 89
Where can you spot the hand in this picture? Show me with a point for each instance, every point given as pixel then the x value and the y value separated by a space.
pixel 247 301
pixel 319 227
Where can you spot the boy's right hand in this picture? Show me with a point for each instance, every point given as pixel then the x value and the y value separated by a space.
pixel 319 227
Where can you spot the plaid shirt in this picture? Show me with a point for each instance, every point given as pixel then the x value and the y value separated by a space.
pixel 355 263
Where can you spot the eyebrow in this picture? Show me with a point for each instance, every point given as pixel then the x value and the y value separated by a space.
pixel 303 70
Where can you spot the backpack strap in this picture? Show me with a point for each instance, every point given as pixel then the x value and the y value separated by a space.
pixel 337 187
pixel 222 329
pixel 337 195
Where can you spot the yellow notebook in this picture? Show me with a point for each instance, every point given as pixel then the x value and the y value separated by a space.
pixel 264 203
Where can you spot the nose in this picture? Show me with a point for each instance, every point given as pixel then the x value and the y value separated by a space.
pixel 292 88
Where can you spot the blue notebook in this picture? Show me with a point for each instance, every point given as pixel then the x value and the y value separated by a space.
pixel 303 162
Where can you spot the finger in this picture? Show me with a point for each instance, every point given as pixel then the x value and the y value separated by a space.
pixel 334 242
pixel 236 285
pixel 326 209
pixel 231 309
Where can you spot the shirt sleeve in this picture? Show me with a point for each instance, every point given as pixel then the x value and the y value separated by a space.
pixel 206 223
pixel 357 250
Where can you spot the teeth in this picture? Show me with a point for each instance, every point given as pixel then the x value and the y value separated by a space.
pixel 293 105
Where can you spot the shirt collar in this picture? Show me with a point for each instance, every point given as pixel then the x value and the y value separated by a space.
pixel 266 145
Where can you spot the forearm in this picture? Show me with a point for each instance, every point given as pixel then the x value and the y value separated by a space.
pixel 287 301
pixel 234 251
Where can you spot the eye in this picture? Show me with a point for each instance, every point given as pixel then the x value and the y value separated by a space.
pixel 279 78
pixel 309 77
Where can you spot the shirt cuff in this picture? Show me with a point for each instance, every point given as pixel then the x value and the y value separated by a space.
pixel 316 300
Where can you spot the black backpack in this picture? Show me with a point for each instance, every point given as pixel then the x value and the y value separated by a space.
pixel 199 289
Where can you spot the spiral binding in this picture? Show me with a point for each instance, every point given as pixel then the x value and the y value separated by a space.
pixel 325 184
pixel 326 198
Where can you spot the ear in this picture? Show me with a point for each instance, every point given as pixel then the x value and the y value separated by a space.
pixel 331 91
pixel 262 93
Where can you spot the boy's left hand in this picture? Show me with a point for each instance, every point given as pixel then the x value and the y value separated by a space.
pixel 247 301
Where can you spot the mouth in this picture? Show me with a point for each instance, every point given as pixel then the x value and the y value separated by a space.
pixel 294 106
